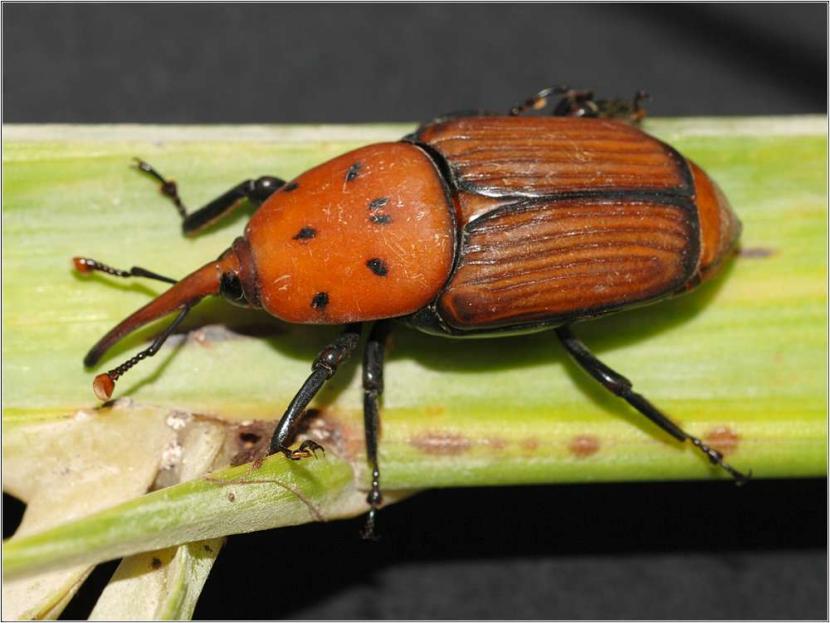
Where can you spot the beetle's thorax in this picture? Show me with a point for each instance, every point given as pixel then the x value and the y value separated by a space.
pixel 368 235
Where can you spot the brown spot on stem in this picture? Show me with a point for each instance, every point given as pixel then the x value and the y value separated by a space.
pixel 441 443
pixel 248 438
pixel 251 441
pixel 208 549
pixel 497 443
pixel 531 444
pixel 231 496
pixel 155 563
pixel 756 252
pixel 723 439
pixel 583 446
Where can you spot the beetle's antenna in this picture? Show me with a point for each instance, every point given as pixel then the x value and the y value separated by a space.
pixel 87 265
pixel 105 383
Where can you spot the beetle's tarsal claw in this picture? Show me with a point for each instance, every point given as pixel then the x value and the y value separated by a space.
pixel 310 448
pixel 307 448
pixel 368 533
pixel 716 458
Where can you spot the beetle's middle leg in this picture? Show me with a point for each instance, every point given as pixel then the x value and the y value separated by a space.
pixel 622 387
pixel 255 191
pixel 323 368
pixel 577 103
pixel 373 356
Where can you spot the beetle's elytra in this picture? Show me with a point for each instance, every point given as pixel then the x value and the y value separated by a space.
pixel 474 225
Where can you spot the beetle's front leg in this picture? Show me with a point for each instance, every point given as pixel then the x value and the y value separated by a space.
pixel 323 368
pixel 256 191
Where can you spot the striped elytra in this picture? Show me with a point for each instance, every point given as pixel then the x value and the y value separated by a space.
pixel 542 260
pixel 563 218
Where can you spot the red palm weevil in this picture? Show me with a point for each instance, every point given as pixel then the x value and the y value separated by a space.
pixel 476 224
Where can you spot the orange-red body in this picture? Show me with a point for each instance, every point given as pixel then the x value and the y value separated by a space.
pixel 372 230
pixel 473 226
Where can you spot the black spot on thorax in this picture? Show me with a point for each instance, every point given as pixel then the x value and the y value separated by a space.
pixel 306 233
pixel 380 219
pixel 320 300
pixel 377 204
pixel 376 214
pixel 378 266
pixel 351 174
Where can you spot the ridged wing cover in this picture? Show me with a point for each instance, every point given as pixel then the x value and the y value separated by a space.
pixel 565 259
pixel 588 216
pixel 543 156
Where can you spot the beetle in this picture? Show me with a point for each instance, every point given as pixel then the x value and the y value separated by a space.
pixel 475 225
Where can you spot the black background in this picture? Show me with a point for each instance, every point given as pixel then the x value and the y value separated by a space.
pixel 661 550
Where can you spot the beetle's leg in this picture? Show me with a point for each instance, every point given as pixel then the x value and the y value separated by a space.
pixel 538 101
pixel 575 103
pixel 323 368
pixel 572 103
pixel 621 386
pixel 255 191
pixel 631 111
pixel 88 265
pixel 372 389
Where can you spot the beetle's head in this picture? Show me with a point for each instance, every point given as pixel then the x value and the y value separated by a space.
pixel 232 275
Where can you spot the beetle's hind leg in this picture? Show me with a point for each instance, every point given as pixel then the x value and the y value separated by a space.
pixel 577 103
pixel 538 101
pixel 373 357
pixel 255 191
pixel 622 387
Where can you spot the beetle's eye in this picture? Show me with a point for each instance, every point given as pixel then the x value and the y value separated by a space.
pixel 231 289
pixel 265 186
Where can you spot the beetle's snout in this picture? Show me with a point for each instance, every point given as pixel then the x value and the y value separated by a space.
pixel 720 228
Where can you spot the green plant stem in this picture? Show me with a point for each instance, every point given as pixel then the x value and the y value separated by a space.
pixel 740 362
